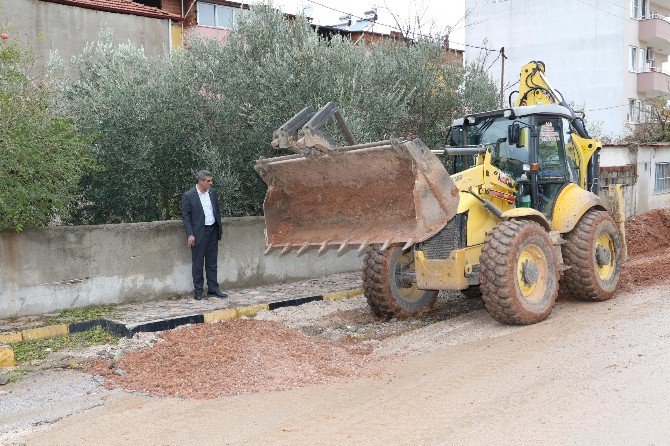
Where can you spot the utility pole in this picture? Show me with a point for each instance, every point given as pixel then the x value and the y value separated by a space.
pixel 502 76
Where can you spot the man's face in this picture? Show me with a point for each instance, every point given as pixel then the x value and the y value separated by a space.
pixel 205 184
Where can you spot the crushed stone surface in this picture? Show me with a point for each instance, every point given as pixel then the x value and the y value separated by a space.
pixel 235 357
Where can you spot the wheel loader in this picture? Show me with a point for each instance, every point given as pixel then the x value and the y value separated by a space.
pixel 508 210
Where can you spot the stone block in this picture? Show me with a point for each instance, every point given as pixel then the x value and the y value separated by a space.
pixel 220 315
pixel 6 357
pixel 51 331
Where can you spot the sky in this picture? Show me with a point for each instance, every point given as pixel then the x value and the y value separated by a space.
pixel 436 15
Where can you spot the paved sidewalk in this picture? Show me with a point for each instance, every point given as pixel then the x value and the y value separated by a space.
pixel 137 314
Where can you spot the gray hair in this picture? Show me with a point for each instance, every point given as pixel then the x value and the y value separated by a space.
pixel 202 175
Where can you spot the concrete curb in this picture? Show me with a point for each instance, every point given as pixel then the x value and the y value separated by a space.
pixel 6 357
pixel 122 330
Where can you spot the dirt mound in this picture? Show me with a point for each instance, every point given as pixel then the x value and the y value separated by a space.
pixel 648 232
pixel 241 356
pixel 648 242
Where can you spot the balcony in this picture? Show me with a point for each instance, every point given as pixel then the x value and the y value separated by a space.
pixel 654 83
pixel 656 32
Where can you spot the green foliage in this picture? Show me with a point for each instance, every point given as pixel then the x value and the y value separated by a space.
pixel 42 156
pixel 40 348
pixel 215 106
pixel 81 314
pixel 656 127
pixel 151 128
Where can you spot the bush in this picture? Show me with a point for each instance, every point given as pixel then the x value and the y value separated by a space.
pixel 216 105
pixel 42 156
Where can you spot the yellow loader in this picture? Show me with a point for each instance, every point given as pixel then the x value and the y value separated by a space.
pixel 507 210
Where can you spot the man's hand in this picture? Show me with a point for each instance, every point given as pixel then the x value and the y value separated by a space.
pixel 190 241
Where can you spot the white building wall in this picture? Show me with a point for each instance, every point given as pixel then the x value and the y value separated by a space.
pixel 645 158
pixel 583 47
pixel 646 174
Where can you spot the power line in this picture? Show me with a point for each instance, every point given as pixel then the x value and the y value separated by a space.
pixel 606 12
pixel 398 29
pixel 606 108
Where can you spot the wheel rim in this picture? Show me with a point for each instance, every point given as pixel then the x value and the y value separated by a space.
pixel 605 256
pixel 405 265
pixel 532 272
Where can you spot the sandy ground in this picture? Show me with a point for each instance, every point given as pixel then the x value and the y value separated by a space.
pixel 590 374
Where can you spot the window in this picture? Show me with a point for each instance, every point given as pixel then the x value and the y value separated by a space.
pixel 216 16
pixel 206 14
pixel 225 16
pixel 572 154
pixel 662 184
pixel 550 151
pixel 632 111
pixel 639 113
pixel 634 9
pixel 633 59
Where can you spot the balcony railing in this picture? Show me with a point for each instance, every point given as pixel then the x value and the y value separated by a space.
pixel 655 30
pixel 654 82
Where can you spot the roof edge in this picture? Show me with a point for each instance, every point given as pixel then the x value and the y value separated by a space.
pixel 157 15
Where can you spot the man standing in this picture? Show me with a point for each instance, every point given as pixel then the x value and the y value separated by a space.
pixel 202 223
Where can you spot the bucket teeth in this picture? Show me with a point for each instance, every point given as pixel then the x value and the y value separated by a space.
pixel 302 249
pixel 342 246
pixel 286 249
pixel 385 245
pixel 269 248
pixel 323 245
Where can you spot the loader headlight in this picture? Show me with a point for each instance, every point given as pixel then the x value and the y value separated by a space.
pixel 509 113
pixel 471 119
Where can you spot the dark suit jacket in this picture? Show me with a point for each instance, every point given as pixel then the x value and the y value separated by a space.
pixel 193 214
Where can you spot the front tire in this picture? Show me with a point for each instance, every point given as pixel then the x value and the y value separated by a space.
pixel 592 250
pixel 519 273
pixel 386 285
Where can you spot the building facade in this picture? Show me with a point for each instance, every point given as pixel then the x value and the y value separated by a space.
pixel 67 26
pixel 605 56
pixel 644 172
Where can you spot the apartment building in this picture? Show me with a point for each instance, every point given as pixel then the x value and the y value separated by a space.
pixel 605 56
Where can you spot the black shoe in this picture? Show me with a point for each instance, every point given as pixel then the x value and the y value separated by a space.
pixel 218 293
pixel 197 295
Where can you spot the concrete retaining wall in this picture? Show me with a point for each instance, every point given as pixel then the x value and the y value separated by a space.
pixel 51 269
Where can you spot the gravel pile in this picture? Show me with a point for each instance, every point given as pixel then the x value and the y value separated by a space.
pixel 648 242
pixel 241 356
pixel 648 232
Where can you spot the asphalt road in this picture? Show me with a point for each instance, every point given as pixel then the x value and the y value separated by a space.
pixel 590 374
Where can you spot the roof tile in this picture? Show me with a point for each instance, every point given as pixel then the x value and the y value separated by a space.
pixel 120 6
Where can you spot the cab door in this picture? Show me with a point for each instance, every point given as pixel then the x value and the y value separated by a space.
pixel 554 169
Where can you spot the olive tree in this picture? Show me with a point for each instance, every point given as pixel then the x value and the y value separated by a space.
pixel 216 104
pixel 150 132
pixel 42 156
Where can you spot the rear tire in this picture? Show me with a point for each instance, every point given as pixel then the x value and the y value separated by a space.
pixel 592 251
pixel 519 273
pixel 387 295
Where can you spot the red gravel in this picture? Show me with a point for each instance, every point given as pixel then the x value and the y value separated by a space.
pixel 648 241
pixel 648 232
pixel 241 356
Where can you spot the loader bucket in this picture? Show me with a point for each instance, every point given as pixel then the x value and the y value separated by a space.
pixel 378 193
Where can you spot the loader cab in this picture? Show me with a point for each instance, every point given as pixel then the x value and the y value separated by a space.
pixel 532 144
